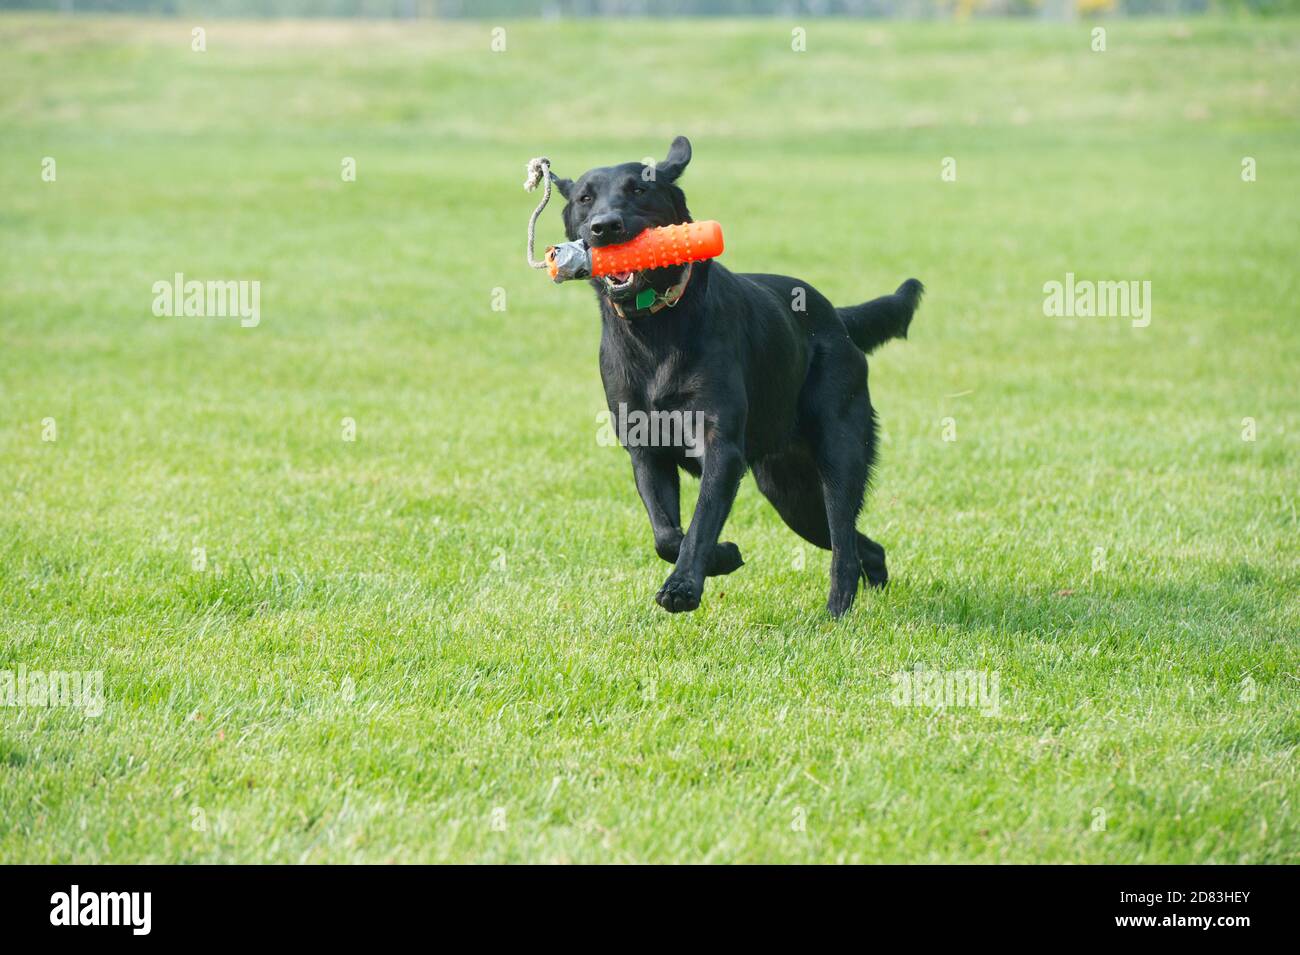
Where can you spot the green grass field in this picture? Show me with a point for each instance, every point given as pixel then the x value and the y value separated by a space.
pixel 438 642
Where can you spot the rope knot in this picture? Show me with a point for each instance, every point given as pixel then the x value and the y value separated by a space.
pixel 537 168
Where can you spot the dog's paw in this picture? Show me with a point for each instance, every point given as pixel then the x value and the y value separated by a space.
pixel 844 590
pixel 840 601
pixel 876 576
pixel 679 594
pixel 726 558
pixel 873 562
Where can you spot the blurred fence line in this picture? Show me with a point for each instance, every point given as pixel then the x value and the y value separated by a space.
pixel 411 9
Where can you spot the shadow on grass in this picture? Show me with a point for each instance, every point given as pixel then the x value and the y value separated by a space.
pixel 1223 604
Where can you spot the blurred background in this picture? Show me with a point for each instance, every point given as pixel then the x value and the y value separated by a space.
pixel 552 9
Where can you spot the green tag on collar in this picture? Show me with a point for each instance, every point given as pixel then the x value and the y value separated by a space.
pixel 645 298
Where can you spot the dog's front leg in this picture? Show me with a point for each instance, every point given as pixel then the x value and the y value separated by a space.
pixel 721 471
pixel 660 489
pixel 658 483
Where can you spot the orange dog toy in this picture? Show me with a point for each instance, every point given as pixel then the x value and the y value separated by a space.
pixel 652 249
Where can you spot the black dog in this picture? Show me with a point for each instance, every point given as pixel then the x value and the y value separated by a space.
pixel 775 372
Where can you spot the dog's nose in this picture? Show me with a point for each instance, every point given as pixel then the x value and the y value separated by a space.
pixel 608 225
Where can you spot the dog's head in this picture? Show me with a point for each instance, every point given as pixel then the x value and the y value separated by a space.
pixel 614 204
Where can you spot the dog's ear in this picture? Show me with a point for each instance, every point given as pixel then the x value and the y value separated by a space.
pixel 679 154
pixel 564 185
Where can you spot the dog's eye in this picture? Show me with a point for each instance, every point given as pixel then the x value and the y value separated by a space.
pixel 584 198
pixel 637 190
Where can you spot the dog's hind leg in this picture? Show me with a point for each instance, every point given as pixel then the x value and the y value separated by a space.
pixel 842 466
pixel 819 494
pixel 791 483
pixel 795 487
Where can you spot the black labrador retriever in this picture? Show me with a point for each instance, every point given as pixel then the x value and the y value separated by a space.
pixel 774 373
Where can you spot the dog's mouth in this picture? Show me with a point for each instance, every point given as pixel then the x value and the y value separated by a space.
pixel 622 286
pixel 617 283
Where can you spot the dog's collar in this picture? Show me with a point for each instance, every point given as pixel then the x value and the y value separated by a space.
pixel 656 301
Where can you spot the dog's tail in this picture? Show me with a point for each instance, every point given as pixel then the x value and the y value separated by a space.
pixel 873 323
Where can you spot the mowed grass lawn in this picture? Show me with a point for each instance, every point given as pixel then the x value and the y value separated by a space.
pixel 438 641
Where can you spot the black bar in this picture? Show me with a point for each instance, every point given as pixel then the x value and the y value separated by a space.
pixel 970 904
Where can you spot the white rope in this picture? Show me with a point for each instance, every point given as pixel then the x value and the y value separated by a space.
pixel 539 170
